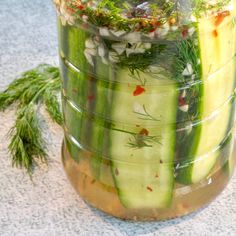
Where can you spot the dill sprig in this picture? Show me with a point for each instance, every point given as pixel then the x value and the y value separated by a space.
pixel 187 52
pixel 141 61
pixel 26 139
pixel 145 115
pixel 30 90
pixel 53 107
pixel 139 141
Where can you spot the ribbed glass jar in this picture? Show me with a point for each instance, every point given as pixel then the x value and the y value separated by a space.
pixel 148 103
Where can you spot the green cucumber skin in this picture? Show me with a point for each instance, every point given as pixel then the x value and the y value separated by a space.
pixel 101 108
pixel 166 195
pixel 71 47
pixel 125 203
pixel 188 150
pixel 97 138
pixel 184 173
pixel 81 126
pixel 190 144
pixel 63 32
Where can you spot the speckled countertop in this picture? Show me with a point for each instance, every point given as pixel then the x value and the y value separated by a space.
pixel 50 206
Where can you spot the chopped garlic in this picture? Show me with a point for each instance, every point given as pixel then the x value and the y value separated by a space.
pixel 104 31
pixel 119 47
pixel 89 43
pixel 184 108
pixel 101 50
pixel 188 70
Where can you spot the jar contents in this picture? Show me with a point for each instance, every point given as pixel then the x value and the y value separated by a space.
pixel 148 103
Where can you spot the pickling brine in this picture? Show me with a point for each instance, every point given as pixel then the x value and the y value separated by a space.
pixel 148 103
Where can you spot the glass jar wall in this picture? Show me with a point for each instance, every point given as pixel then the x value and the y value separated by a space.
pixel 148 103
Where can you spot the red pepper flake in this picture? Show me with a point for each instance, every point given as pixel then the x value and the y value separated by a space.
pixel 91 97
pixel 139 90
pixel 182 101
pixel 144 132
pixel 116 171
pixel 156 23
pixel 220 17
pixel 185 32
pixel 152 30
pixel 149 188
pixel 81 7
pixel 215 33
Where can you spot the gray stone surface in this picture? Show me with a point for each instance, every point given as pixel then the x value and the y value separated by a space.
pixel 50 206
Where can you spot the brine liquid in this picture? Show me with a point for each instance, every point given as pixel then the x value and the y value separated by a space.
pixel 149 114
pixel 186 199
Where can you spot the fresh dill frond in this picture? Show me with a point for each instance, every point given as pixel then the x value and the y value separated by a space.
pixel 53 106
pixel 17 88
pixel 29 91
pixel 26 143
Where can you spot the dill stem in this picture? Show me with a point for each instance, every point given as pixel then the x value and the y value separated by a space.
pixel 41 90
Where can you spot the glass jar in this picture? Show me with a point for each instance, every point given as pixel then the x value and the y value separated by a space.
pixel 148 103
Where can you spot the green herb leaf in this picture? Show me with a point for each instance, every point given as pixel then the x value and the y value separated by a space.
pixel 26 139
pixel 139 141
pixel 29 91
pixel 53 107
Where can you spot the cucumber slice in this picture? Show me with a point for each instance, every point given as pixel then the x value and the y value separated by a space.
pixel 72 46
pixel 101 98
pixel 83 89
pixel 143 168
pixel 217 49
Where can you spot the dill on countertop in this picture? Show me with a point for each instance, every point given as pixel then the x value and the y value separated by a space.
pixel 29 91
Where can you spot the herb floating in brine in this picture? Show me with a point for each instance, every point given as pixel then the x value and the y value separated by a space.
pixel 142 139
pixel 142 113
pixel 148 99
pixel 154 18
pixel 163 75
